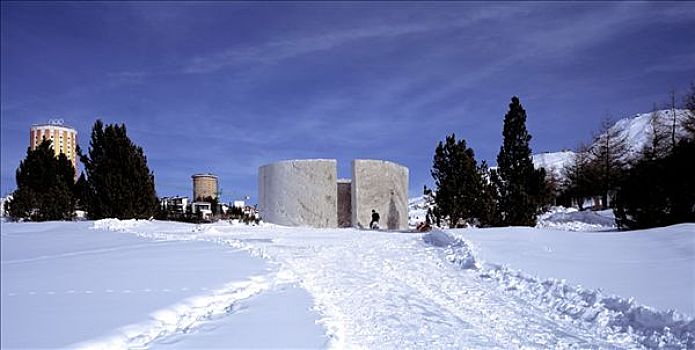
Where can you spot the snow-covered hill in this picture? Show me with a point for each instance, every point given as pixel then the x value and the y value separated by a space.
pixel 637 130
pixel 553 162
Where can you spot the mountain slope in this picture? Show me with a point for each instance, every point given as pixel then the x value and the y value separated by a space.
pixel 637 131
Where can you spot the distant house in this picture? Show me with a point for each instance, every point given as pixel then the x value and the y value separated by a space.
pixel 176 205
pixel 202 209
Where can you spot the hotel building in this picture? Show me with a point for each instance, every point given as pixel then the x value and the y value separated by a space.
pixel 63 139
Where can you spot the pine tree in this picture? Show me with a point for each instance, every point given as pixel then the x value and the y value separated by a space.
pixel 458 181
pixel 658 191
pixel 81 193
pixel 120 182
pixel 44 186
pixel 609 162
pixel 520 186
pixel 487 213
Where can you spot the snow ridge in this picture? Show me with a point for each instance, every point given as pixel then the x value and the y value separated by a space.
pixel 610 316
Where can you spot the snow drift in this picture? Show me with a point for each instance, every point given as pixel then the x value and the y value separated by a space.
pixel 608 315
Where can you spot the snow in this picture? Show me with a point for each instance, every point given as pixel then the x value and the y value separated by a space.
pixel 72 284
pixel 345 288
pixel 654 266
pixel 571 219
pixel 638 130
pixel 417 210
pixel 606 314
pixel 554 162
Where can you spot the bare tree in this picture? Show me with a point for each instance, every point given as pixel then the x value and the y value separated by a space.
pixel 577 177
pixel 658 147
pixel 609 159
pixel 688 121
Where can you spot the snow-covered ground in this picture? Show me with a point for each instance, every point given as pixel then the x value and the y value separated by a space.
pixel 471 288
pixel 65 285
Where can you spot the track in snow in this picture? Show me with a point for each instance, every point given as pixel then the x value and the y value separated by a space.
pixel 393 290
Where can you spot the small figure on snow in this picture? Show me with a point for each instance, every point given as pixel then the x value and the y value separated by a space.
pixel 374 224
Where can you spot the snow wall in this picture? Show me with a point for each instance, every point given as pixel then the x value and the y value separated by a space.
pixel 299 193
pixel 307 193
pixel 382 186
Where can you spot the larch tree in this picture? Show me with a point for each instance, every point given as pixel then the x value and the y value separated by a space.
pixel 609 159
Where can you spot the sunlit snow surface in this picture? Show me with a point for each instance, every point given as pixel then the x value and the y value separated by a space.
pixel 66 285
pixel 493 288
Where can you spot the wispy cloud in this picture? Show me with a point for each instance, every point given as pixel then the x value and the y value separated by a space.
pixel 294 46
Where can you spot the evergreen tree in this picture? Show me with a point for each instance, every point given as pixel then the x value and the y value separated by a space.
pixel 658 191
pixel 44 186
pixel 120 183
pixel 458 181
pixel 81 193
pixel 488 213
pixel 520 186
pixel 609 162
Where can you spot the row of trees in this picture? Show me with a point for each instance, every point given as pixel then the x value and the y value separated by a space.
pixel 647 187
pixel 657 188
pixel 468 193
pixel 117 182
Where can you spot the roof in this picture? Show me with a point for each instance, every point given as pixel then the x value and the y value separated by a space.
pixel 204 175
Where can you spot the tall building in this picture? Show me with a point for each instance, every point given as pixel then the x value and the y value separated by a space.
pixel 63 138
pixel 204 185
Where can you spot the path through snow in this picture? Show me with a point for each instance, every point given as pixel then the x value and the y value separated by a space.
pixel 396 290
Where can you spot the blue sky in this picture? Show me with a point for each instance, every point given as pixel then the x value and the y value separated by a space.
pixel 225 87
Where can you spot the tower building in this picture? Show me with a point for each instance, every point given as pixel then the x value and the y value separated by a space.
pixel 204 185
pixel 63 138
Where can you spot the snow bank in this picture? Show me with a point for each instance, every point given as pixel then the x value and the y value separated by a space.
pixel 457 251
pixel 570 219
pixel 608 315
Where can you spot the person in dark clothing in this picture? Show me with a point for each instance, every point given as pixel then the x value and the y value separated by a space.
pixel 375 220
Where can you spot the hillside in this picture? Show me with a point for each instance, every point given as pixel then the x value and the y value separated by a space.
pixel 637 131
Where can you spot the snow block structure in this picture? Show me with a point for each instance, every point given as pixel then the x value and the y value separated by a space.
pixel 299 193
pixel 307 193
pixel 382 186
